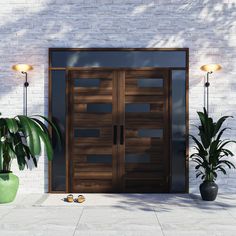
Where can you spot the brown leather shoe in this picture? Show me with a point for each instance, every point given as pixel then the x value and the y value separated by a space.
pixel 80 199
pixel 70 198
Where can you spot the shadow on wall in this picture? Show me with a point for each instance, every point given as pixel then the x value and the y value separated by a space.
pixel 204 26
pixel 28 30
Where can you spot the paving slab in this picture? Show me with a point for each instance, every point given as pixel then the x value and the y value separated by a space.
pixel 111 218
pixel 119 214
pixel 34 219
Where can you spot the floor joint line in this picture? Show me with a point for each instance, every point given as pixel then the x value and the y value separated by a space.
pixel 78 221
pixel 158 221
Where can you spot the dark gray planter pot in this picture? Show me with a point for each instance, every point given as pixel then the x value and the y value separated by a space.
pixel 208 191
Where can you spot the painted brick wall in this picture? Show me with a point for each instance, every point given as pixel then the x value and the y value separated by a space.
pixel 29 27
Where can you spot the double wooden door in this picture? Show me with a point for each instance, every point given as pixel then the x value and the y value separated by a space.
pixel 118 130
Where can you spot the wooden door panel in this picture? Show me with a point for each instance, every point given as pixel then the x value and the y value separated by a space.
pixel 92 114
pixel 145 153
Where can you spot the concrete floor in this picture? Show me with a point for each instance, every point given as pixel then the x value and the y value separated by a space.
pixel 119 214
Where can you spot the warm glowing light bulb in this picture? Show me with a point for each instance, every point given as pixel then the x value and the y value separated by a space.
pixel 22 67
pixel 211 67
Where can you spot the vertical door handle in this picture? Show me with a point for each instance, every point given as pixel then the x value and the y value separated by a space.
pixel 115 134
pixel 121 135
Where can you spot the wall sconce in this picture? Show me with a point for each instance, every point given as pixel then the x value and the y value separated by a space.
pixel 209 68
pixel 24 68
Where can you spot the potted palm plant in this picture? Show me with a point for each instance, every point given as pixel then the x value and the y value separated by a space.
pixel 211 154
pixel 21 138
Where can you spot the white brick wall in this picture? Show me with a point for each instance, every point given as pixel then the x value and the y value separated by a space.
pixel 29 27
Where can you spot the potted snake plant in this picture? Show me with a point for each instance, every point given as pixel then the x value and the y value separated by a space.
pixel 211 154
pixel 21 138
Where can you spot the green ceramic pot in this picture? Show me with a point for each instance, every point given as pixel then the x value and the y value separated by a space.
pixel 9 184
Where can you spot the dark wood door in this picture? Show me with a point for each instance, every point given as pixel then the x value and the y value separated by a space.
pixel 144 121
pixel 92 117
pixel 118 130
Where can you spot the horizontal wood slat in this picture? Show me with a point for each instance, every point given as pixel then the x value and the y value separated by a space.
pixel 146 74
pixel 144 99
pixel 92 99
pixel 157 107
pixel 92 186
pixel 88 167
pixel 145 115
pixel 144 149
pixel 144 91
pixel 92 91
pixel 144 186
pixel 92 120
pixel 133 133
pixel 92 175
pixel 143 124
pixel 92 141
pixel 145 175
pixel 148 142
pixel 141 167
pixel 92 150
pixel 73 74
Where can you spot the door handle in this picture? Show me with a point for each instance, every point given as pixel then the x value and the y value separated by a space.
pixel 121 135
pixel 115 134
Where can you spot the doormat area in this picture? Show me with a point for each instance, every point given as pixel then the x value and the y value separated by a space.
pixel 141 200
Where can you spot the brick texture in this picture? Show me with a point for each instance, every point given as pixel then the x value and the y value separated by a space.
pixel 29 27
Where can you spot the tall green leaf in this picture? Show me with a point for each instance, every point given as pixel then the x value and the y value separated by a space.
pixel 221 133
pixel 46 140
pixel 12 125
pixel 42 126
pixel 20 152
pixel 200 146
pixel 225 143
pixel 32 136
pixel 29 155
pixel 54 126
pixel 20 157
pixel 219 123
pixel 202 119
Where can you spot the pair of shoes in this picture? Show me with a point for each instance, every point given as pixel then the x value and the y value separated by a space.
pixel 79 199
